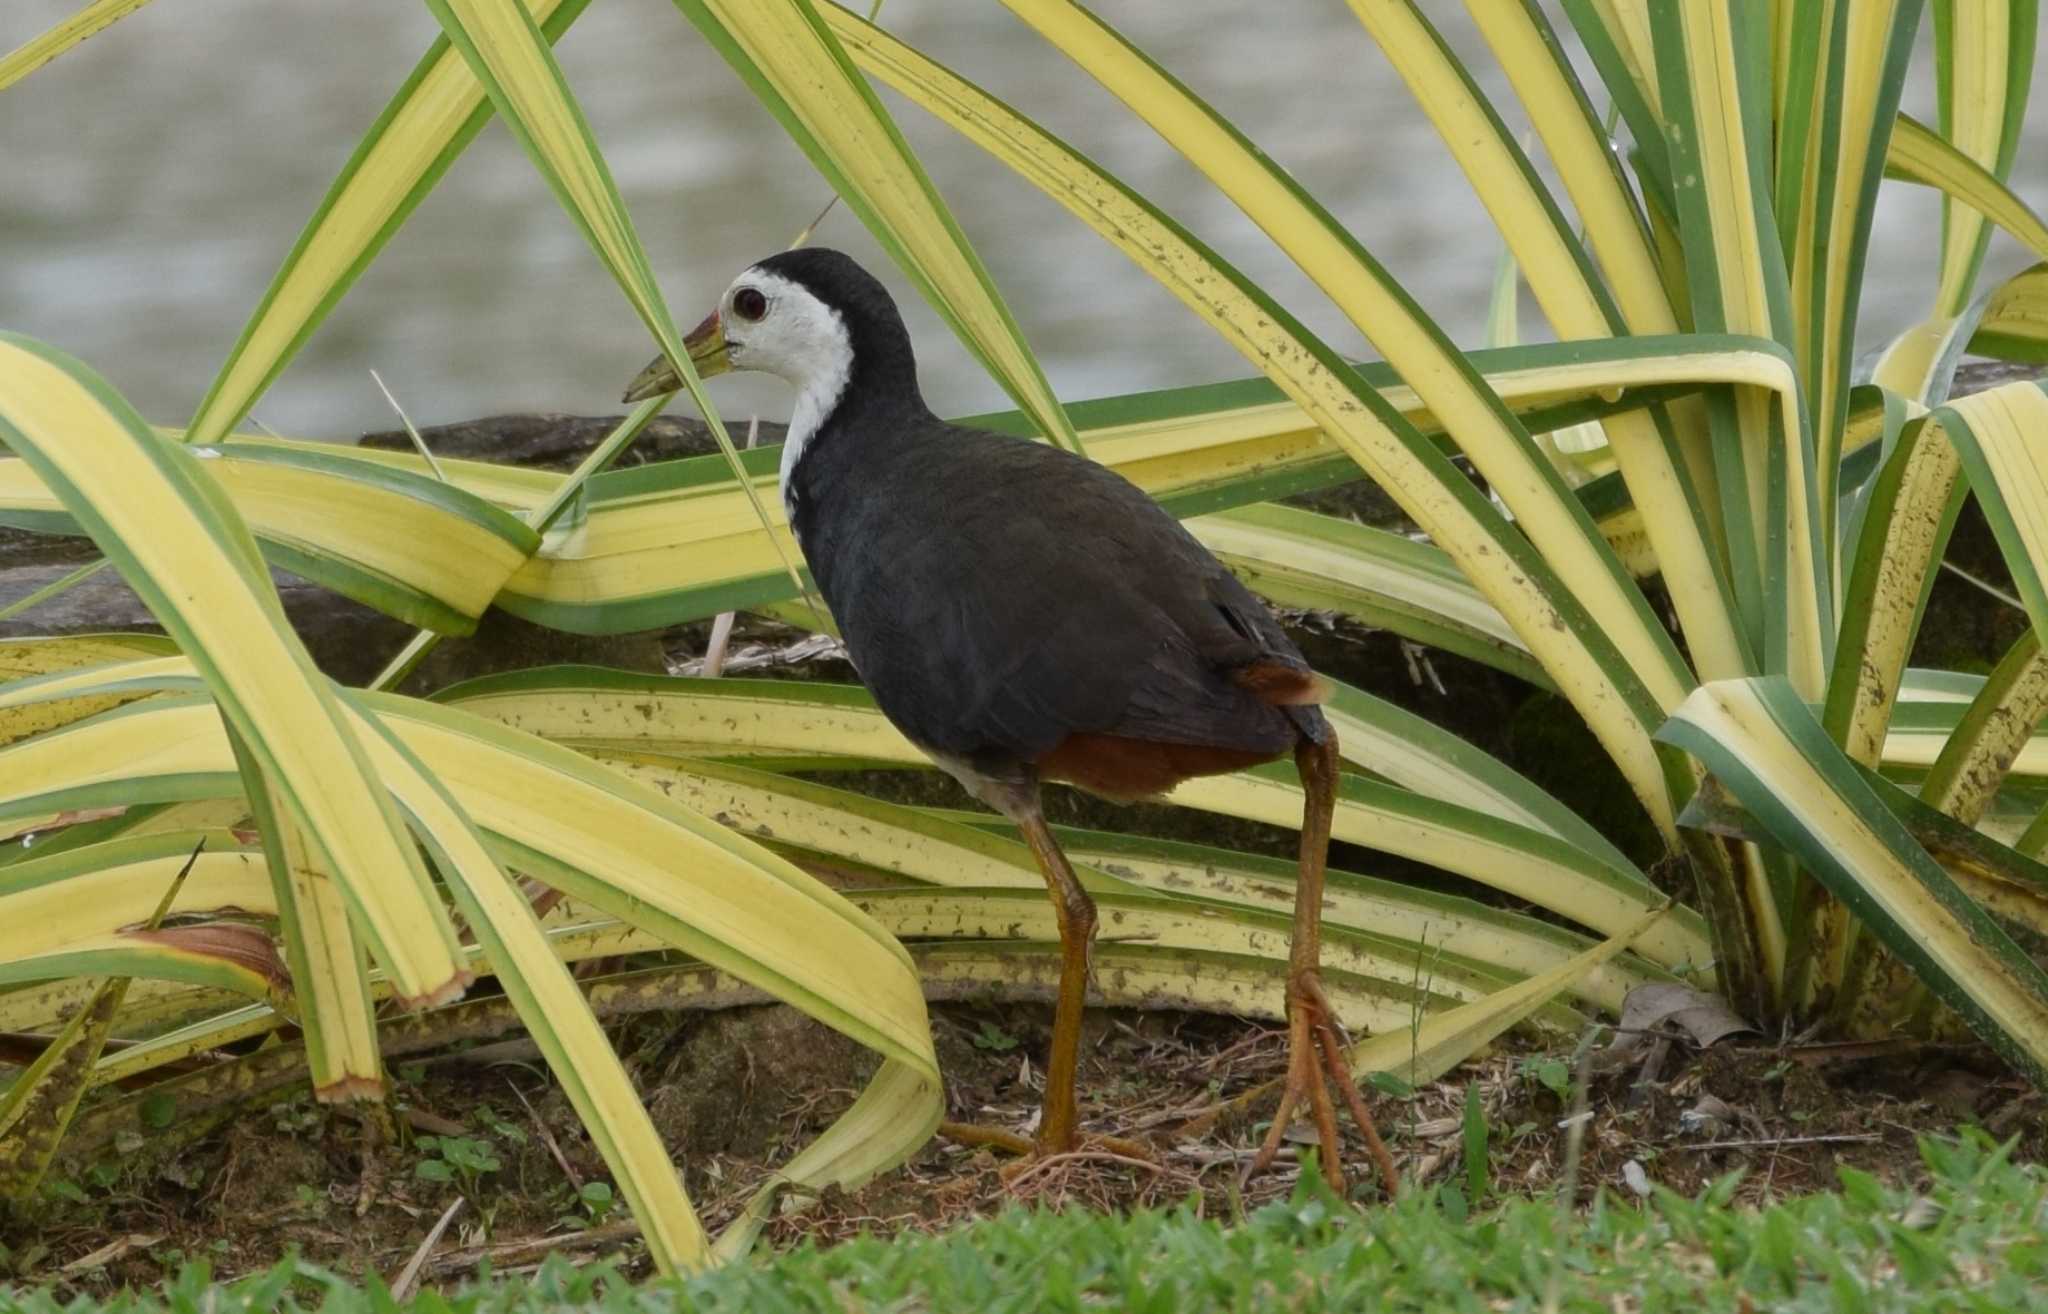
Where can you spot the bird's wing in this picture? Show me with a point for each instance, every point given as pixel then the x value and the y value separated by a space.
pixel 1049 597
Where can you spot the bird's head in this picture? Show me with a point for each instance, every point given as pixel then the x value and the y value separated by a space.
pixel 801 315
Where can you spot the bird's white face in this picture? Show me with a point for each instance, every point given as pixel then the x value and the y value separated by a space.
pixel 776 326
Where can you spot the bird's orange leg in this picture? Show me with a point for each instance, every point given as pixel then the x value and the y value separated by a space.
pixel 1059 1123
pixel 1315 1050
pixel 1059 1116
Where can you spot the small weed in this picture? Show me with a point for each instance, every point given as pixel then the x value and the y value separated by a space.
pixel 598 1201
pixel 1549 1072
pixel 493 1122
pixel 994 1038
pixel 463 1160
pixel 63 1188
pixel 159 1111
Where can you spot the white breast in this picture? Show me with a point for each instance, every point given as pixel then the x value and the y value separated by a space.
pixel 815 398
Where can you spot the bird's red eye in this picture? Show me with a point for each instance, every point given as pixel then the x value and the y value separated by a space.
pixel 749 304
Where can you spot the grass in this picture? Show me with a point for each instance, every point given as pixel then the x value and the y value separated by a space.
pixel 1974 1237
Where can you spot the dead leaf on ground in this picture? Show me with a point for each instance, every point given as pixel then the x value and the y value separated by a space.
pixel 1667 1008
pixel 110 1252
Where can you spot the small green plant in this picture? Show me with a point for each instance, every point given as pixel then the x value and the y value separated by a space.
pixel 992 1037
pixel 493 1122
pixel 65 1189
pixel 1549 1072
pixel 463 1160
pixel 598 1201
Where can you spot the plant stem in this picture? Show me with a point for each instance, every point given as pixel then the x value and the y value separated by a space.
pixel 51 590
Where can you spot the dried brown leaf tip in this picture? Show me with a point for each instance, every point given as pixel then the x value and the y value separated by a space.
pixel 245 946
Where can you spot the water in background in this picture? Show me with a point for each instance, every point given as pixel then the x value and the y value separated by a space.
pixel 157 176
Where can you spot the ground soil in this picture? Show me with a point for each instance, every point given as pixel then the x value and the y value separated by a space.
pixel 737 1092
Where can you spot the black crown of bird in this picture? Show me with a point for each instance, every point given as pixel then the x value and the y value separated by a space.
pixel 1023 614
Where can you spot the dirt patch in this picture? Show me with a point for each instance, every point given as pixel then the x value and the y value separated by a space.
pixel 736 1093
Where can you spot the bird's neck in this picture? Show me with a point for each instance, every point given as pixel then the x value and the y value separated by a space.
pixel 817 398
pixel 835 404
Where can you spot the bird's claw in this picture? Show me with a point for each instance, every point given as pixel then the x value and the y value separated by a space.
pixel 1032 1153
pixel 1316 1061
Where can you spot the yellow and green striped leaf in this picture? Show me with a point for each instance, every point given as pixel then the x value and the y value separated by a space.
pixel 677 540
pixel 610 843
pixel 1863 70
pixel 871 841
pixel 1993 730
pixel 822 726
pixel 32 54
pixel 1561 275
pixel 1551 619
pixel 1713 70
pixel 1296 558
pixel 229 958
pixel 550 1005
pixel 1904 523
pixel 427 124
pixel 151 508
pixel 1763 743
pixel 328 968
pixel 786 53
pixel 2014 325
pixel 1440 1042
pixel 511 56
pixel 25 658
pixel 409 545
pixel 1983 69
pixel 2001 438
pixel 1919 155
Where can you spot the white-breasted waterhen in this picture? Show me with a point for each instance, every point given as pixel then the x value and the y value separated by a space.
pixel 1023 614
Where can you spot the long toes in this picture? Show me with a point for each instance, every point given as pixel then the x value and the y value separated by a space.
pixel 1086 1146
pixel 1122 1147
pixel 1318 1068
pixel 973 1133
pixel 1290 1095
pixel 1339 1069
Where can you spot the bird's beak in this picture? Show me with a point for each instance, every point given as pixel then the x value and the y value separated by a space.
pixel 706 345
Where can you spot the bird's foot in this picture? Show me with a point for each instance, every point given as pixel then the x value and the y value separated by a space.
pixel 1316 1062
pixel 1036 1153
